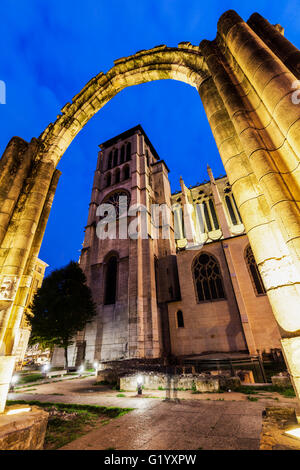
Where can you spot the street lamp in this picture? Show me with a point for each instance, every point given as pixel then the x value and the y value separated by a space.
pixel 45 368
pixel 139 384
pixel 13 382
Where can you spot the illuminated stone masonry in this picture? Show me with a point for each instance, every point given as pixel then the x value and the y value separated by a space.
pixel 246 80
pixel 151 289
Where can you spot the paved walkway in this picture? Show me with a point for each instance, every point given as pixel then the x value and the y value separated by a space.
pixel 205 422
pixel 188 425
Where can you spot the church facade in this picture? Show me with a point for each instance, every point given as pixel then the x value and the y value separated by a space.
pixel 193 292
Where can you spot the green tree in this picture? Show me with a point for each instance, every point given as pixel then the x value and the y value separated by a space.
pixel 62 306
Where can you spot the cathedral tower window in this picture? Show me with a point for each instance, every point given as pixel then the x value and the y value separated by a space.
pixel 111 280
pixel 116 157
pixel 122 157
pixel 207 278
pixel 147 158
pixel 117 176
pixel 128 152
pixel 110 161
pixel 180 321
pixel 126 172
pixel 254 272
pixel 108 180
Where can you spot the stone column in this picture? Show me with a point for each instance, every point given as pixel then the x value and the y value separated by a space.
pixel 19 237
pixel 273 37
pixel 279 197
pixel 257 188
pixel 14 167
pixel 271 79
pixel 24 287
pixel 16 246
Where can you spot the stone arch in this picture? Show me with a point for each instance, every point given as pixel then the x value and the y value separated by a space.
pixel 184 63
pixel 245 80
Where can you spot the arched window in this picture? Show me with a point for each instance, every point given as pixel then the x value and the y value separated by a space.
pixel 213 214
pixel 180 322
pixel 110 160
pixel 116 155
pixel 207 218
pixel 254 272
pixel 147 158
pixel 117 176
pixel 126 172
pixel 236 208
pixel 108 180
pixel 122 157
pixel 111 280
pixel 230 210
pixel 128 152
pixel 207 278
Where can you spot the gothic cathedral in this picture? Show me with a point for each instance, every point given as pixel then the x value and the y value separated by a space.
pixel 196 292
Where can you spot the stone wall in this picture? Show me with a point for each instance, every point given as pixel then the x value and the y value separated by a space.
pixel 208 326
pixel 23 431
pixel 157 381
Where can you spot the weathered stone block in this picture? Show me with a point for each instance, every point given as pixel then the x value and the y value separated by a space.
pixel 107 375
pixel 230 383
pixel 23 431
pixel 281 381
pixel 210 384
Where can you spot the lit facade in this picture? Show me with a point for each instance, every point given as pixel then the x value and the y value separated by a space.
pixel 198 291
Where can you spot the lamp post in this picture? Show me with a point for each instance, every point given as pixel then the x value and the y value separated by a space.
pixel 139 385
pixel 13 382
pixel 45 369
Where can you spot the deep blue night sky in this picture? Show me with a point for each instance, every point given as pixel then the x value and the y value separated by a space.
pixel 51 49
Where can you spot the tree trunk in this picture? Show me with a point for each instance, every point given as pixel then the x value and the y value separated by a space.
pixel 66 357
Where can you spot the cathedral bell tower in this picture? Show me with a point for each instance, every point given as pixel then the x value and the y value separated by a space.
pixel 122 271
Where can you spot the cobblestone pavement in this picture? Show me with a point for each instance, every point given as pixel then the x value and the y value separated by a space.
pixel 188 424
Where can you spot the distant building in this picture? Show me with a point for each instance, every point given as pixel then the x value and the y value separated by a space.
pixel 198 291
pixel 24 331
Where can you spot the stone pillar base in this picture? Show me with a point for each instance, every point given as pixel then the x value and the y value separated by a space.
pixel 291 352
pixel 6 370
pixel 24 430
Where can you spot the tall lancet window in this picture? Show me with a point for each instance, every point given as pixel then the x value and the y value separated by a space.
pixel 110 161
pixel 128 152
pixel 116 157
pixel 126 172
pixel 207 278
pixel 254 272
pixel 213 214
pixel 207 218
pixel 122 157
pixel 230 210
pixel 117 176
pixel 111 275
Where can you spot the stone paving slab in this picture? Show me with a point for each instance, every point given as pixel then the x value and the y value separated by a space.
pixel 157 429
